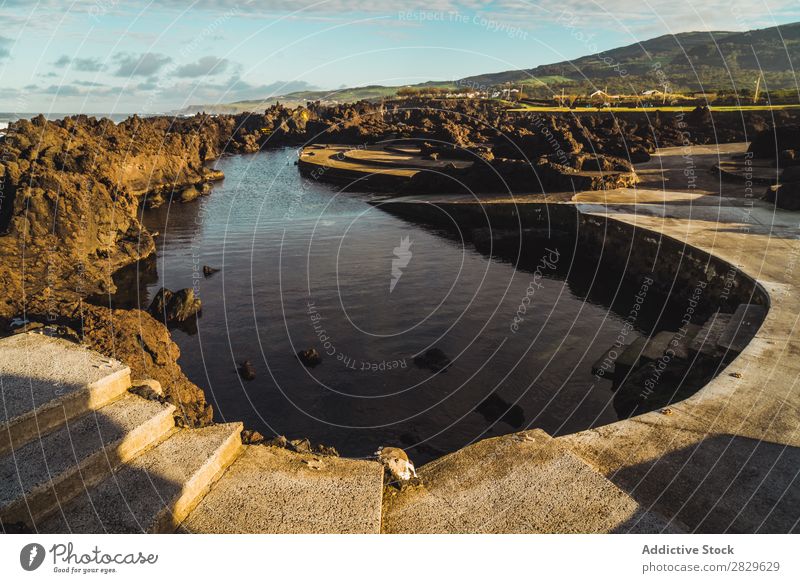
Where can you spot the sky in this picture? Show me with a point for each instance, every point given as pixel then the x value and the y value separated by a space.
pixel 118 56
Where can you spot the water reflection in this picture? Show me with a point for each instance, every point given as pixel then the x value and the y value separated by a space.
pixel 303 266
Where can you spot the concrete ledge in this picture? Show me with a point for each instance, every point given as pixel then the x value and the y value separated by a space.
pixel 155 491
pixel 47 381
pixel 38 477
pixel 521 483
pixel 272 490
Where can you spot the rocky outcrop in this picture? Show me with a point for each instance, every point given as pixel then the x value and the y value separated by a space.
pixel 71 190
pixel 176 306
pixel 144 344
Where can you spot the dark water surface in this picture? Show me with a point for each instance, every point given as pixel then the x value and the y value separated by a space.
pixel 305 266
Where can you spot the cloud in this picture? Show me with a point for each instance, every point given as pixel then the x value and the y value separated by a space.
pixel 90 65
pixel 143 65
pixel 237 89
pixel 65 90
pixel 77 89
pixel 5 51
pixel 204 66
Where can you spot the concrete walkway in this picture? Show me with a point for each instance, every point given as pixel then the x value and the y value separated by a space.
pixel 726 459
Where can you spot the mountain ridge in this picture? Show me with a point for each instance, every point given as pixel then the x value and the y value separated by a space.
pixel 696 61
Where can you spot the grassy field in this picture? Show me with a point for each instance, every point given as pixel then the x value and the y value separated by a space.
pixel 676 108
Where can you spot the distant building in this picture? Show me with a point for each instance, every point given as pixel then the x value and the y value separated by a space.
pixel 602 98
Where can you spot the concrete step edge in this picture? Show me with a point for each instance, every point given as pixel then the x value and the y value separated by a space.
pixel 24 428
pixel 676 525
pixel 201 482
pixel 43 500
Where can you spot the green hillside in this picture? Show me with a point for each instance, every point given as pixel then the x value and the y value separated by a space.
pixel 693 61
pixel 716 61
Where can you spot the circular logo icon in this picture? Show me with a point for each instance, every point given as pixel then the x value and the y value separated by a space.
pixel 31 556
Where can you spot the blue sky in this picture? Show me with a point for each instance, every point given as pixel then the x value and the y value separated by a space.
pixel 121 56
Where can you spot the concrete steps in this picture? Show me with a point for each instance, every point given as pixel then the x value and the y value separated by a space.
pixel 39 476
pixel 79 453
pixel 521 483
pixel 706 341
pixel 45 382
pixel 155 491
pixel 272 490
pixel 744 324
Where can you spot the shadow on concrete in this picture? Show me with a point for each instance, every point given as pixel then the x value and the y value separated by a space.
pixel 722 484
pixel 31 466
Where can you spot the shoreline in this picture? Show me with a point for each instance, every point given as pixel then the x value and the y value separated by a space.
pixel 638 454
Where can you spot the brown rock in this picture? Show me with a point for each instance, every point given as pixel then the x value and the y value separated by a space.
pixel 247 371
pixel 175 306
pixel 144 344
pixel 251 437
pixel 189 194
pixel 309 357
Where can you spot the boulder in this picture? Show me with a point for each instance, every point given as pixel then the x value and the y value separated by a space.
pixel 154 200
pixel 251 437
pixel 175 306
pixel 433 359
pixel 309 357
pixel 189 194
pixel 247 371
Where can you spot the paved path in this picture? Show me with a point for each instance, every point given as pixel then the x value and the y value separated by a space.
pixel 726 459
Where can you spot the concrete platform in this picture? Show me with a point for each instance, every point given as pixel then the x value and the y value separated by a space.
pixel 37 477
pixel 272 490
pixel 521 483
pixel 155 491
pixel 726 458
pixel 45 381
pixel 743 325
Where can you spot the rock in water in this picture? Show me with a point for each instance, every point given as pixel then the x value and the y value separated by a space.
pixel 175 306
pixel 183 305
pixel 399 468
pixel 309 357
pixel 247 371
pixel 158 307
pixel 493 408
pixel 189 194
pixel 251 437
pixel 208 271
pixel 433 359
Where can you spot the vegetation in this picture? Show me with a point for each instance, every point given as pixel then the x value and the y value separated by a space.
pixel 718 62
pixel 718 67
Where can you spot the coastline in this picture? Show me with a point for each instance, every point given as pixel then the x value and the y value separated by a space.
pixel 655 441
